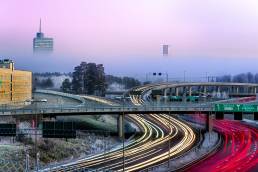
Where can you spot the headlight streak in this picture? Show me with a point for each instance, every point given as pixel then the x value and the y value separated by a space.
pixel 146 150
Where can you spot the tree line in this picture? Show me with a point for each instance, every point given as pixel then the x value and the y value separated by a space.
pixel 43 83
pixel 128 82
pixel 240 78
pixel 49 74
pixel 90 78
pixel 87 78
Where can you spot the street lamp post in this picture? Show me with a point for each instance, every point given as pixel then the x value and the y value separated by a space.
pixel 184 75
pixel 169 143
pixel 123 122
pixel 123 131
pixel 35 103
pixel 36 139
pixel 27 163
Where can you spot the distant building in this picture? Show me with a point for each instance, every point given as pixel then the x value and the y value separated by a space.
pixel 15 85
pixel 41 43
pixel 165 50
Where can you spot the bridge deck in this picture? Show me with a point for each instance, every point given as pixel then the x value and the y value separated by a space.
pixel 106 110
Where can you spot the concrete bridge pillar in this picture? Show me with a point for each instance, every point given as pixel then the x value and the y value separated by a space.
pixel 255 90
pixel 177 91
pixel 190 91
pixel 208 122
pixel 165 94
pixel 158 98
pixel 205 90
pixel 237 90
pixel 120 125
pixel 184 94
pixel 165 91
pixel 218 89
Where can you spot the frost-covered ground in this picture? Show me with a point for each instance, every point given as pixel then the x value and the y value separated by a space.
pixel 12 152
pixel 52 151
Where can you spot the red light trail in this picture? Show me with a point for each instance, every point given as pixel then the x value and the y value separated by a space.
pixel 239 152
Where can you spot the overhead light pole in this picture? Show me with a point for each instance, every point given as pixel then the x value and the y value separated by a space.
pixel 184 75
pixel 35 103
pixel 123 131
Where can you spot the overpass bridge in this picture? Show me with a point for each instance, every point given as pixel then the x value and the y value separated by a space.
pixel 84 109
pixel 217 109
pixel 233 89
pixel 101 110
pixel 42 112
pixel 208 110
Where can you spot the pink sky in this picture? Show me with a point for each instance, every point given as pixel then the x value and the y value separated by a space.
pixel 106 31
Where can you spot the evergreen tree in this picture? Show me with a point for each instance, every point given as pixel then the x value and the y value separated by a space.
pixel 89 78
pixel 66 86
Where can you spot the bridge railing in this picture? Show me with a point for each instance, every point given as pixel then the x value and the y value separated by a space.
pixel 101 109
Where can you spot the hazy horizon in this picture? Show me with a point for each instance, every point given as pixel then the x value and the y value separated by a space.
pixel 214 37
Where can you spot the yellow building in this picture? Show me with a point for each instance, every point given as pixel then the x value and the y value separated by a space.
pixel 15 85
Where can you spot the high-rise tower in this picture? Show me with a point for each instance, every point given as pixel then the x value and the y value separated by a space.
pixel 41 43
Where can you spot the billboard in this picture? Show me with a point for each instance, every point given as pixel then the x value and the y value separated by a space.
pixel 53 129
pixel 7 129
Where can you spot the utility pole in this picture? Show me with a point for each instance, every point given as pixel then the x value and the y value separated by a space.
pixel 37 159
pixel 36 138
pixel 35 103
pixel 169 142
pixel 123 118
pixel 123 130
pixel 27 160
pixel 184 75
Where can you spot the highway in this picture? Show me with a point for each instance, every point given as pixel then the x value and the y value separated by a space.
pixel 152 147
pixel 238 153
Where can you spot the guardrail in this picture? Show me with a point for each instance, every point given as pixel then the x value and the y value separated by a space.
pixel 73 96
pixel 101 109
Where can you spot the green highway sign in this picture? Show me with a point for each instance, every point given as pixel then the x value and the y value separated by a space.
pixel 236 108
pixel 1 83
pixel 249 108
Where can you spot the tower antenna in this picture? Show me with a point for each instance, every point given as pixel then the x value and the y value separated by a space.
pixel 40 25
